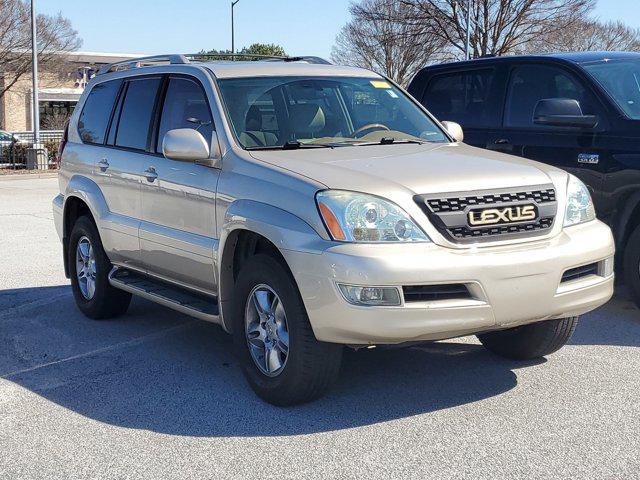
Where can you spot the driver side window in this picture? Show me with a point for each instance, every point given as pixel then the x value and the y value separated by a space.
pixel 185 106
pixel 531 83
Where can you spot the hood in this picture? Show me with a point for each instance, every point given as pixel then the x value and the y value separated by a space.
pixel 427 168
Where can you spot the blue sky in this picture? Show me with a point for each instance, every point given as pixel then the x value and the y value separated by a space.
pixel 302 27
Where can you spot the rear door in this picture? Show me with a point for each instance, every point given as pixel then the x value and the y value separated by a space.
pixel 579 151
pixel 178 235
pixel 120 164
pixel 469 97
pixel 117 175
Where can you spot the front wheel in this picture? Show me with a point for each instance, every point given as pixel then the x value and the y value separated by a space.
pixel 631 265
pixel 530 341
pixel 280 356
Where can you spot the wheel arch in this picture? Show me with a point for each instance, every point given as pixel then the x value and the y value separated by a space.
pixel 82 197
pixel 252 227
pixel 628 219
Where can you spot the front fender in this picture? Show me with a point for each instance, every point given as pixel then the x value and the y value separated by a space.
pixel 283 229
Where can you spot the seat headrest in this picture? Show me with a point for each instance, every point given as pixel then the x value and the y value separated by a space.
pixel 253 118
pixel 306 117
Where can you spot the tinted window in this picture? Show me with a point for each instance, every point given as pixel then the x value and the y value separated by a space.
pixel 462 97
pixel 531 83
pixel 621 79
pixel 137 110
pixel 185 106
pixel 97 110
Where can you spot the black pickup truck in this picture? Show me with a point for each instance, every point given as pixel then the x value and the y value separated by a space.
pixel 577 111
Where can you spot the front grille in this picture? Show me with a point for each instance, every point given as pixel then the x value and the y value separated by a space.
pixel 580 272
pixel 468 217
pixel 455 204
pixel 465 232
pixel 432 293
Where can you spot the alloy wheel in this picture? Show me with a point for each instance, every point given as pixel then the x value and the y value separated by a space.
pixel 266 330
pixel 86 268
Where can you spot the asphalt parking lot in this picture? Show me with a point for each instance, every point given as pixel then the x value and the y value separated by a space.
pixel 158 395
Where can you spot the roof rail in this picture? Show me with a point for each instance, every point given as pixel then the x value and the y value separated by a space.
pixel 179 59
pixel 268 58
pixel 175 59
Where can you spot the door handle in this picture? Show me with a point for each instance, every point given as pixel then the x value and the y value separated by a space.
pixel 103 164
pixel 501 141
pixel 151 174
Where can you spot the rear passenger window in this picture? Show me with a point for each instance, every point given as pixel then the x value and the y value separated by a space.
pixel 97 110
pixel 185 106
pixel 136 113
pixel 463 97
pixel 531 83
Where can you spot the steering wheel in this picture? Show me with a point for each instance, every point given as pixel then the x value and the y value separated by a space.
pixel 369 126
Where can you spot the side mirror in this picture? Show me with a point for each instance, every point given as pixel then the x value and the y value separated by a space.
pixel 562 112
pixel 185 145
pixel 455 130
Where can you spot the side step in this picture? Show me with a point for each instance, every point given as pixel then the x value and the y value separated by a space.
pixel 185 301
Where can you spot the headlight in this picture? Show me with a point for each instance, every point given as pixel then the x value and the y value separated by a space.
pixel 579 204
pixel 358 217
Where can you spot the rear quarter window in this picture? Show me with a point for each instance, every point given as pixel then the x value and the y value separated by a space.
pixel 463 97
pixel 96 112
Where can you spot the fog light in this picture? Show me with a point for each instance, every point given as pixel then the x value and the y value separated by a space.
pixel 370 296
pixel 606 267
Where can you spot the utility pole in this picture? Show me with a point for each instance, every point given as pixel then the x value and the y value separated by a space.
pixel 233 45
pixel 35 117
pixel 467 53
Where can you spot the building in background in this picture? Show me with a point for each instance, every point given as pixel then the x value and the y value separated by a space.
pixel 58 91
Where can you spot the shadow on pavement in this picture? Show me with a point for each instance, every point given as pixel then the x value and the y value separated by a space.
pixel 157 370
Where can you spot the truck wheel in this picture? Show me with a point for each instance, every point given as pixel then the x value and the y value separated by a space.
pixel 88 268
pixel 631 265
pixel 530 341
pixel 275 345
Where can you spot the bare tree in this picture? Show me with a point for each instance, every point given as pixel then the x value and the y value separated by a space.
pixel 588 35
pixel 498 27
pixel 380 37
pixel 55 37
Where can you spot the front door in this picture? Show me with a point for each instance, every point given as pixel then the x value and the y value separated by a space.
pixel 178 237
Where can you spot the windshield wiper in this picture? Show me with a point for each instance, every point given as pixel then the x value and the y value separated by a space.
pixel 389 141
pixel 292 145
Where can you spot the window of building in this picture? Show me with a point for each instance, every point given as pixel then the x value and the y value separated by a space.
pixel 55 114
pixel 136 113
pixel 97 110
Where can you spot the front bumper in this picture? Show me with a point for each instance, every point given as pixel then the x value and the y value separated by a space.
pixel 510 285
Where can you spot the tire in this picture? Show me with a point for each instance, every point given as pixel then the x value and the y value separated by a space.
pixel 631 265
pixel 309 367
pixel 102 301
pixel 530 341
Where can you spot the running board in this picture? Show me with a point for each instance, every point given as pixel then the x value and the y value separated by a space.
pixel 185 301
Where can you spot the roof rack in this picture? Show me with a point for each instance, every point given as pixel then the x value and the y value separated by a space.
pixel 268 58
pixel 180 59
pixel 176 59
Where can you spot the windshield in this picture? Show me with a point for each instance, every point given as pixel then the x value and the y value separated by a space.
pixel 277 112
pixel 621 80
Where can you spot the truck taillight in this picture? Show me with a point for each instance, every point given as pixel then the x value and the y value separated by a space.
pixel 63 143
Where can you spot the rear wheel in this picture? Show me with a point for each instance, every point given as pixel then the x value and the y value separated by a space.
pixel 631 265
pixel 280 356
pixel 89 268
pixel 530 341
